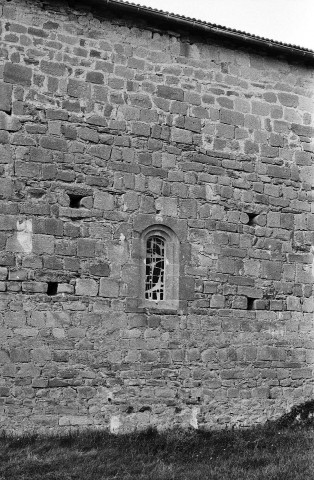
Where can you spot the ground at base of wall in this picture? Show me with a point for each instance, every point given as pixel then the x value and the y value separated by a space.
pixel 261 452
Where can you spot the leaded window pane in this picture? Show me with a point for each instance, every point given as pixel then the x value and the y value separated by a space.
pixel 155 269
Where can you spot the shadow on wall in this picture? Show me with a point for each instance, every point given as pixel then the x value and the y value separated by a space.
pixel 298 415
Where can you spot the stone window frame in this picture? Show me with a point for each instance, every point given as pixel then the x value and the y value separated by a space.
pixel 172 268
pixel 135 274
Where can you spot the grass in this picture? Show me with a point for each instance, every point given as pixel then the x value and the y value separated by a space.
pixel 268 452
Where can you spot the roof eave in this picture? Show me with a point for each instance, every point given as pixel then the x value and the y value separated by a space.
pixel 192 25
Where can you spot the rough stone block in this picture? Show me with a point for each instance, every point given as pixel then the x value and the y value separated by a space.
pixel 271 270
pixel 53 68
pixel 276 305
pixel 18 275
pixel 39 383
pixel 288 99
pixel 293 303
pixel 140 100
pixel 5 97
pixel 86 286
pixel 167 206
pixel 181 136
pixel 260 108
pixel 231 118
pixel 239 302
pixel 43 244
pixel 141 129
pixel 86 247
pixel 88 134
pixel 95 77
pixel 8 222
pixel 4 391
pixel 302 130
pixel 250 292
pixel 34 287
pixel 65 288
pixel 101 151
pixel 225 131
pixel 104 201
pixel 259 304
pixel 17 74
pixel 271 354
pixel 7 259
pixel 9 123
pixel 54 143
pixel 3 273
pixel 171 93
pixel 131 201
pixel 108 288
pixel 217 301
pixel 273 219
pixel 279 172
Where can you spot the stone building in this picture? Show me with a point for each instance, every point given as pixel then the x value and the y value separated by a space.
pixel 156 225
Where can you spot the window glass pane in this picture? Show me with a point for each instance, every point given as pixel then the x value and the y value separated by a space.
pixel 155 268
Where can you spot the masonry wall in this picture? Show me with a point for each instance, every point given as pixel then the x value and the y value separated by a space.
pixel 107 126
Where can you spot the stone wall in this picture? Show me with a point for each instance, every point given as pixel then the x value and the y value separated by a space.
pixel 108 126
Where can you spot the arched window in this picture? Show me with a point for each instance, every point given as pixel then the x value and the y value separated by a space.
pixel 155 268
pixel 159 268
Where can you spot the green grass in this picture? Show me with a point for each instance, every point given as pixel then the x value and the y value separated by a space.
pixel 260 453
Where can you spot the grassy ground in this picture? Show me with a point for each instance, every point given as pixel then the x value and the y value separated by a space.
pixel 261 453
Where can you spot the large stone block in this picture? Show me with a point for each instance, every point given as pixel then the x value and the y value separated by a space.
pixel 100 151
pixel 5 97
pixel 108 288
pixel 4 391
pixel 104 201
pixel 17 74
pixel 86 247
pixel 171 93
pixel 54 143
pixel 181 136
pixel 9 123
pixel 86 286
pixel 100 269
pixel 43 244
pixel 53 68
pixel 288 99
pixel 271 270
pixel 231 117
pixel 217 301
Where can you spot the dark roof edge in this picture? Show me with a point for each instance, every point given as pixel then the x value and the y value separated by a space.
pixel 212 29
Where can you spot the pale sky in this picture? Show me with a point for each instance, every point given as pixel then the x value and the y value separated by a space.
pixel 289 21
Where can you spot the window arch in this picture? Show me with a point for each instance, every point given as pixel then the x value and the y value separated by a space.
pixel 159 268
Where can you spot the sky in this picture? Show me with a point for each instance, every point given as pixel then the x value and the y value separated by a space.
pixel 289 21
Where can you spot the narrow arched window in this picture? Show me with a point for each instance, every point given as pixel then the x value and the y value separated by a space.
pixel 155 268
pixel 159 259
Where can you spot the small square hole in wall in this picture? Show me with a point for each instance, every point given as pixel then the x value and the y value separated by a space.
pixel 75 200
pixel 52 288
pixel 250 303
pixel 252 218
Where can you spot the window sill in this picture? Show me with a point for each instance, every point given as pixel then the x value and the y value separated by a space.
pixel 175 307
pixel 151 305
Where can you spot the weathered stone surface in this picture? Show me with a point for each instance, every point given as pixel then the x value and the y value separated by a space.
pixel 17 74
pixel 11 124
pixel 99 270
pixel 86 286
pixel 107 136
pixel 108 288
pixel 5 97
